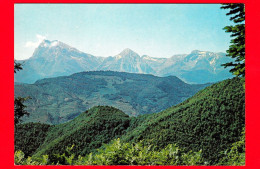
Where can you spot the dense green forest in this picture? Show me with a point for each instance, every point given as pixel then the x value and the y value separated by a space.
pixel 206 129
pixel 29 136
pixel 119 153
pixel 88 131
pixel 60 99
pixel 211 120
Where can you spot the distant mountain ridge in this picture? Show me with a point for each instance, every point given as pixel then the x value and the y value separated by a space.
pixel 126 61
pixel 55 58
pixel 57 100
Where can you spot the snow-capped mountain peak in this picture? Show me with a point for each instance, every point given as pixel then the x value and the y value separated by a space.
pixel 55 43
pixel 55 58
pixel 146 57
pixel 47 43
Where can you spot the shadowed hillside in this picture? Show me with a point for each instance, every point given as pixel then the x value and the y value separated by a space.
pixel 57 100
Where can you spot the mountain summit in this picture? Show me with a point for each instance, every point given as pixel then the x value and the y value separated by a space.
pixel 55 58
pixel 126 61
pixel 51 50
pixel 47 43
pixel 55 44
pixel 129 53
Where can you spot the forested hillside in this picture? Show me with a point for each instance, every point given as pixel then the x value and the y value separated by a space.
pixel 87 132
pixel 60 99
pixel 209 124
pixel 29 136
pixel 209 121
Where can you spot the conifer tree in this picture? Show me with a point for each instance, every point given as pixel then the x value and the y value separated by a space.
pixel 17 66
pixel 237 48
pixel 19 107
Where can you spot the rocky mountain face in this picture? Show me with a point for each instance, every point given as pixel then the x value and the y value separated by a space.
pixel 126 61
pixel 197 67
pixel 57 100
pixel 54 58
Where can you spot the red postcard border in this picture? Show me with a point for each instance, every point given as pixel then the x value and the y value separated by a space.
pixel 252 82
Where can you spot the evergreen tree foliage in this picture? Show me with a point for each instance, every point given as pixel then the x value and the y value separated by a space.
pixel 19 107
pixel 236 154
pixel 29 136
pixel 237 48
pixel 209 121
pixel 17 66
pixel 87 132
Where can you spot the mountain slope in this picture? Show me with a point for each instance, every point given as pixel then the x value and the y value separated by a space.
pixel 87 132
pixel 57 100
pixel 29 136
pixel 126 61
pixel 54 58
pixel 210 121
pixel 197 67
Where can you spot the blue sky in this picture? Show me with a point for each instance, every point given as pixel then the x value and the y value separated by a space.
pixel 157 30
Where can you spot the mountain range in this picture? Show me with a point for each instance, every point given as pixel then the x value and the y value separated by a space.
pixel 57 100
pixel 55 58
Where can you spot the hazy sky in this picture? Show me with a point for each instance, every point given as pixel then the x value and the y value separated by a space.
pixel 158 30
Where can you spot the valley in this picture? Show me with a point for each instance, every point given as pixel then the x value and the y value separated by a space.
pixel 207 123
pixel 57 100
